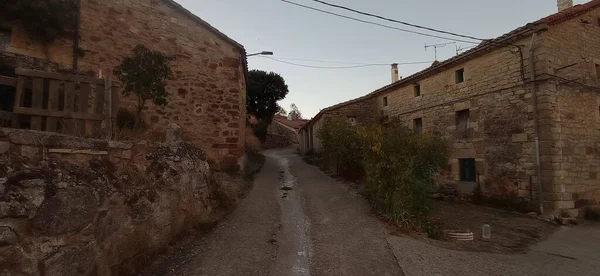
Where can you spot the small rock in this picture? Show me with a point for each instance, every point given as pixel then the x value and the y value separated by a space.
pixel 70 260
pixel 7 236
pixel 173 134
pixel 68 210
pixel 532 214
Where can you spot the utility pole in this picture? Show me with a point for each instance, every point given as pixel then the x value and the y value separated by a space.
pixel 435 46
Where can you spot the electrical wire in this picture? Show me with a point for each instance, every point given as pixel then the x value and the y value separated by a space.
pixel 377 24
pixel 329 61
pixel 342 67
pixel 397 21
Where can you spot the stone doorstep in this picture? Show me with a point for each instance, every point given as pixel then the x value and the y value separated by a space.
pixel 78 151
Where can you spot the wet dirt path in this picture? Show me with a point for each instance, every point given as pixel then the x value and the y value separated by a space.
pixel 295 221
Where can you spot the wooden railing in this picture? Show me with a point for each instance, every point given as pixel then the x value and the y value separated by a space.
pixel 69 104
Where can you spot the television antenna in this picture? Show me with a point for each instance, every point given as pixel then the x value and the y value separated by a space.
pixel 435 46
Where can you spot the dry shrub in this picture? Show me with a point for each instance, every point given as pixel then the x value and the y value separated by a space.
pixel 253 144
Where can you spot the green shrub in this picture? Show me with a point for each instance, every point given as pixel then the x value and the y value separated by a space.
pixel 398 166
pixel 341 143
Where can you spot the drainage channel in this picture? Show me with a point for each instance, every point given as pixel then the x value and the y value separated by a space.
pixel 293 239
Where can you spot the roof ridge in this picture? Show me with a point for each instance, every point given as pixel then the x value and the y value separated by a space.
pixel 552 19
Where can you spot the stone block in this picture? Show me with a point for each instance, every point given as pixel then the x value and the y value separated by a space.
pixel 66 211
pixel 519 137
pixel 30 152
pixel 78 151
pixel 4 147
pixel 7 236
pixel 70 260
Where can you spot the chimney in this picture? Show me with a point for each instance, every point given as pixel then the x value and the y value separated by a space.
pixel 564 4
pixel 395 76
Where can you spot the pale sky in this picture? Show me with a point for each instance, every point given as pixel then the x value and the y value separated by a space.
pixel 293 32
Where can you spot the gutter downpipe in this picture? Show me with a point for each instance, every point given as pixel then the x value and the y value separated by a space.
pixel 76 39
pixel 538 166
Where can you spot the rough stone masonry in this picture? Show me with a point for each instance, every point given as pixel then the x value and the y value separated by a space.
pixel 207 95
pixel 72 206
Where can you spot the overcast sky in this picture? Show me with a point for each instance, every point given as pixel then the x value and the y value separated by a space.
pixel 293 32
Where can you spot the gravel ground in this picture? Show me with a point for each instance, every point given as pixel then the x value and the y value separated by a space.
pixel 569 251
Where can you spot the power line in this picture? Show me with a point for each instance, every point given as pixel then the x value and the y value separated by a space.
pixel 329 61
pixel 377 24
pixel 397 21
pixel 342 67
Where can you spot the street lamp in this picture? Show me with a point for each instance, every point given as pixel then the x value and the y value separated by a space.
pixel 263 53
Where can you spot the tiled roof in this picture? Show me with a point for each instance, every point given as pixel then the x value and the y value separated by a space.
pixel 570 13
pixel 483 47
pixel 295 124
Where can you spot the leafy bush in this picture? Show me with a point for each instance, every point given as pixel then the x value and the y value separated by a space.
pixel 398 166
pixel 145 74
pixel 44 21
pixel 341 143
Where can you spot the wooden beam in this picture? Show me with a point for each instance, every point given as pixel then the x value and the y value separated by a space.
pixel 37 98
pixel 9 81
pixel 63 77
pixel 59 114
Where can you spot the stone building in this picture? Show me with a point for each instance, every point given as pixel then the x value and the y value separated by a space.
pixel 283 131
pixel 520 112
pixel 208 93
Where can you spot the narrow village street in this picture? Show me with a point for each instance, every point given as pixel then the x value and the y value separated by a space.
pixel 320 226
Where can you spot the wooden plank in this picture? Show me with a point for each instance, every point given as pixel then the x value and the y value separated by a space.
pixel 84 96
pixel 57 76
pixel 9 81
pixel 69 107
pixel 19 92
pixel 58 114
pixel 37 97
pixel 51 122
pixel 98 108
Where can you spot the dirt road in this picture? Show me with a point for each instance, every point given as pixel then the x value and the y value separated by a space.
pixel 295 221
pixel 298 221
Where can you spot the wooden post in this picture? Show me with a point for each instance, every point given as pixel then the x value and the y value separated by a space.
pixel 37 98
pixel 84 96
pixel 53 97
pixel 69 105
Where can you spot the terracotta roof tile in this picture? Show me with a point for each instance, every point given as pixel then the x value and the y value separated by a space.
pixel 570 13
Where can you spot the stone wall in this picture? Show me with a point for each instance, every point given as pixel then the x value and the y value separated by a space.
pixel 571 52
pixel 279 136
pixel 500 136
pixel 70 206
pixel 362 111
pixel 207 95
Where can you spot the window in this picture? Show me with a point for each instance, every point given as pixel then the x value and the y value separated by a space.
pixel 467 169
pixel 417 90
pixel 352 120
pixel 460 75
pixel 418 125
pixel 598 22
pixel 462 119
pixel 597 72
pixel 4 38
pixel 386 119
pixel 385 102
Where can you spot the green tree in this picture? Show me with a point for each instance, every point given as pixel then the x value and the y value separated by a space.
pixel 263 92
pixel 295 113
pixel 145 74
